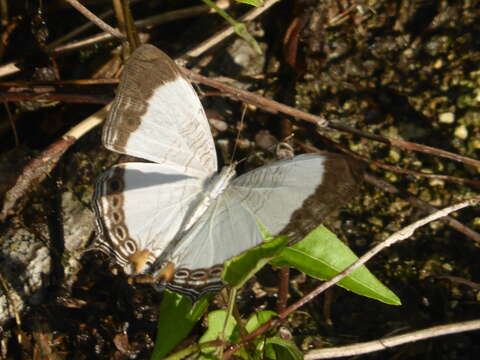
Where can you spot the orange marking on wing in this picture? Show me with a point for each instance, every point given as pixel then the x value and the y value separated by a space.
pixel 139 260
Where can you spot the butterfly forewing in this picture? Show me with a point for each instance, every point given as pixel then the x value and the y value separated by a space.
pixel 157 116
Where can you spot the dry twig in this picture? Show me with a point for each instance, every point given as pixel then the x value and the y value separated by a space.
pixel 388 187
pixel 151 21
pixel 96 20
pixel 387 343
pixel 275 107
pixel 43 164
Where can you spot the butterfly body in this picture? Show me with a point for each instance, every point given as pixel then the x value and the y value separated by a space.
pixel 177 219
pixel 213 189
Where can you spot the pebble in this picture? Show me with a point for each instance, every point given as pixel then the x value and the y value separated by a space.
pixel 461 132
pixel 446 117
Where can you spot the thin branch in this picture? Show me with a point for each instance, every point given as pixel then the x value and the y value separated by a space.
pixel 284 280
pixel 386 343
pixel 80 29
pixel 275 107
pixel 31 84
pixel 271 106
pixel 49 96
pixel 12 124
pixel 8 69
pixel 398 236
pixel 398 170
pixel 88 124
pixel 37 169
pixel 119 15
pixel 424 206
pixel 459 280
pixel 407 145
pixel 131 29
pixel 390 188
pixel 96 20
pixel 140 24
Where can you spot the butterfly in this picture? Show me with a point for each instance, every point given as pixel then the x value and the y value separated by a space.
pixel 175 216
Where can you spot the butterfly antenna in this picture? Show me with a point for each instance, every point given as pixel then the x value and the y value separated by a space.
pixel 242 121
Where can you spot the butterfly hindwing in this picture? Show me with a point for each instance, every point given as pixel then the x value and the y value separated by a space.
pixel 292 197
pixel 140 208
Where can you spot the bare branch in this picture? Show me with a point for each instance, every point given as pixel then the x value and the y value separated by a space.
pixel 36 171
pixel 386 343
pixel 96 20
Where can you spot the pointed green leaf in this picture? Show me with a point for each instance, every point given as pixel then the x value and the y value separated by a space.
pixel 254 322
pixel 178 310
pixel 241 268
pixel 216 323
pixel 322 255
pixel 258 319
pixel 256 3
pixel 278 348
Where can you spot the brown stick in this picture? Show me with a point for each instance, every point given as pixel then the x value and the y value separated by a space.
pixel 396 169
pixel 42 165
pixel 48 96
pixel 140 24
pixel 284 275
pixel 31 84
pixel 387 343
pixel 422 205
pixel 388 187
pixel 275 107
pixel 96 20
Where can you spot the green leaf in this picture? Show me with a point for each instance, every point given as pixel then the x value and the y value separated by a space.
pixel 278 348
pixel 322 255
pixel 241 268
pixel 216 323
pixel 258 319
pixel 253 323
pixel 176 311
pixel 256 3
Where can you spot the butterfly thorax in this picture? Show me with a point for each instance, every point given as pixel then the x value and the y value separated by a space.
pixel 219 182
pixel 214 187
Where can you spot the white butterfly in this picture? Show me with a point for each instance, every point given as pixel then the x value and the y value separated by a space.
pixel 177 213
